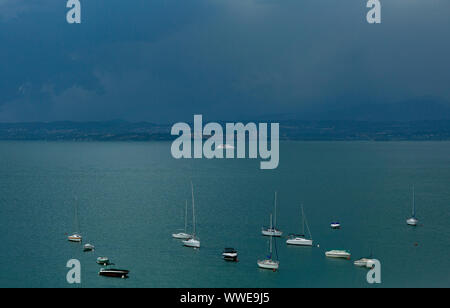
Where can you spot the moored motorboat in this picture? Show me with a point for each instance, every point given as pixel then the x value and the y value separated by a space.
pixel 338 254
pixel 335 225
pixel 75 238
pixel 103 261
pixel 230 254
pixel 112 272
pixel 88 247
pixel 362 262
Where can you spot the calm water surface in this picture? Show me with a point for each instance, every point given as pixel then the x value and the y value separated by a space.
pixel 131 199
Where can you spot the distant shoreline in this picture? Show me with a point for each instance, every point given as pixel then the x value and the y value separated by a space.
pixel 292 130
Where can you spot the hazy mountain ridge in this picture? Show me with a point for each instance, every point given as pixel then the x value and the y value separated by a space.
pixel 289 130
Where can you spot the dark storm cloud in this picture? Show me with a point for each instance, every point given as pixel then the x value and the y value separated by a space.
pixel 166 60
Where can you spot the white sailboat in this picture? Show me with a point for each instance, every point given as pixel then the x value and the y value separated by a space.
pixel 193 241
pixel 76 237
pixel 413 221
pixel 269 263
pixel 300 240
pixel 183 235
pixel 272 231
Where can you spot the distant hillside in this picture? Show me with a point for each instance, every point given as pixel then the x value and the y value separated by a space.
pixel 289 130
pixel 109 130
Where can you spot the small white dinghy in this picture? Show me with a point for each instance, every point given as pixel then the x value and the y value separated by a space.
pixel 335 225
pixel 193 241
pixel 272 230
pixel 300 240
pixel 88 247
pixel 338 254
pixel 269 263
pixel 183 235
pixel 103 261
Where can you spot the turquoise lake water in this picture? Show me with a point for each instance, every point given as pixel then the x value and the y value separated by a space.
pixel 131 199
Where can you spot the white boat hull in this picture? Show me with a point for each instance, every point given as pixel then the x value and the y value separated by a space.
pixel 370 263
pixel 361 262
pixel 182 236
pixel 89 247
pixel 269 264
pixel 412 222
pixel 75 238
pixel 338 254
pixel 192 243
pixel 102 261
pixel 272 232
pixel 299 241
pixel 230 255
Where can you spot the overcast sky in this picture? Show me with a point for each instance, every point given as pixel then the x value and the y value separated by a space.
pixel 164 60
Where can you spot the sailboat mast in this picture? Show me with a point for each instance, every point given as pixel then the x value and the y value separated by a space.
pixel 270 236
pixel 303 222
pixel 414 204
pixel 306 223
pixel 185 218
pixel 193 208
pixel 275 218
pixel 77 226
